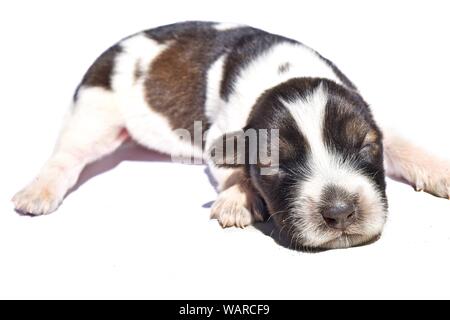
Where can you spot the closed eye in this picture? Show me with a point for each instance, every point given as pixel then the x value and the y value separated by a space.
pixel 370 142
pixel 367 147
pixel 369 151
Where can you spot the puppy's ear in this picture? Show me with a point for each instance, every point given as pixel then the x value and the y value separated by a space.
pixel 245 148
pixel 229 150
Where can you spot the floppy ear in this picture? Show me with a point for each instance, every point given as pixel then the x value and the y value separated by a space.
pixel 246 147
pixel 229 150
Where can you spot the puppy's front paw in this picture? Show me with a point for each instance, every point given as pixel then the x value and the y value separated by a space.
pixel 231 208
pixel 37 198
pixel 435 180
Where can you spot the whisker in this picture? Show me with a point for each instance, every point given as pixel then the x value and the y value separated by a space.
pixel 273 214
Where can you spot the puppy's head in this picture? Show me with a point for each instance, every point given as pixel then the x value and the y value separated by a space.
pixel 326 187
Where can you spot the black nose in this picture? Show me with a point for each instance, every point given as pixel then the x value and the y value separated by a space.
pixel 340 215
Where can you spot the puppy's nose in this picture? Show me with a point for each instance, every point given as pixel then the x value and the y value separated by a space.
pixel 340 215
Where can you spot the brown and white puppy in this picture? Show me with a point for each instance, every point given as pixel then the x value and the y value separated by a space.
pixel 325 186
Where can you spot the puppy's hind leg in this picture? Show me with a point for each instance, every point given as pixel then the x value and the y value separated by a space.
pixel 93 128
pixel 423 171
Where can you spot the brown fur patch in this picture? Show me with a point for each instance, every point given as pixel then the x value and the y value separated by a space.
pixel 356 129
pixel 175 85
pixel 371 137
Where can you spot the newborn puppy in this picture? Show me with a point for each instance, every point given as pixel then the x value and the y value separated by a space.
pixel 285 133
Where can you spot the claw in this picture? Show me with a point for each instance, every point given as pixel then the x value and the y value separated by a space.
pixel 419 186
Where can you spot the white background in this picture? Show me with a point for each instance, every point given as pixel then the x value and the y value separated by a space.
pixel 142 230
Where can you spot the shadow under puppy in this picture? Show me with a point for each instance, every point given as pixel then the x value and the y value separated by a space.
pixel 326 186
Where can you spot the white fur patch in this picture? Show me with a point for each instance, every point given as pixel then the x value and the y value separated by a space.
pixel 214 103
pixel 227 26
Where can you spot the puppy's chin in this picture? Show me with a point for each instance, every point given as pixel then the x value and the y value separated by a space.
pixel 344 241
pixel 312 234
pixel 348 241
pixel 322 237
pixel 359 234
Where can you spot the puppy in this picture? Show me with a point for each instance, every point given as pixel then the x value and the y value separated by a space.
pixel 305 149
